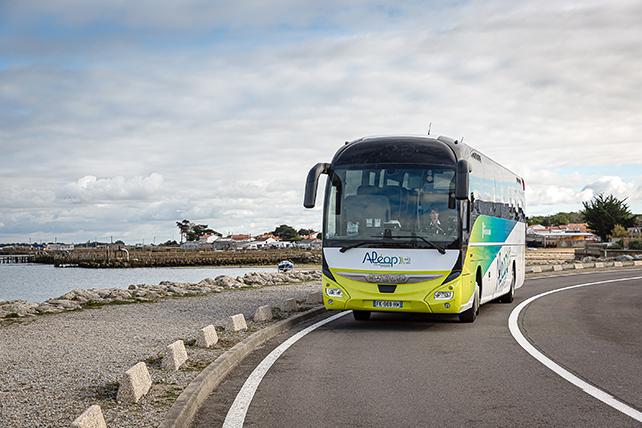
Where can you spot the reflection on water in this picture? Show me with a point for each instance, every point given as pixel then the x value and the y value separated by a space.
pixel 35 282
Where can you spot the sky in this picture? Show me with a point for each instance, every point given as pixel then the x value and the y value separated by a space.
pixel 119 118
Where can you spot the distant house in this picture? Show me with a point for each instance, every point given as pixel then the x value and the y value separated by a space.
pixel 282 244
pixel 209 238
pixel 536 228
pixel 225 244
pixel 195 245
pixel 258 244
pixel 577 227
pixel 59 247
pixel 309 244
pixel 240 237
pixel 310 236
pixel 567 235
pixel 265 236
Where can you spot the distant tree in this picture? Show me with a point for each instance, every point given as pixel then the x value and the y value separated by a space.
pixel 193 232
pixel 169 243
pixel 576 217
pixel 560 218
pixel 619 231
pixel 287 233
pixel 319 235
pixel 556 219
pixel 119 242
pixel 602 213
pixel 198 230
pixel 304 232
pixel 538 219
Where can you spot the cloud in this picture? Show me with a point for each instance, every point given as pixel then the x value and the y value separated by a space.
pixel 215 112
pixel 612 185
pixel 553 191
pixel 92 189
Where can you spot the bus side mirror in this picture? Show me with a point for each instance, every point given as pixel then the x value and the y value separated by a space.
pixel 312 183
pixel 461 184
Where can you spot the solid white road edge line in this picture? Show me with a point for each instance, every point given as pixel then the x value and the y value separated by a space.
pixel 565 374
pixel 236 415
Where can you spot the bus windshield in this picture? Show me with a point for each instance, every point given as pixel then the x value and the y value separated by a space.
pixel 369 203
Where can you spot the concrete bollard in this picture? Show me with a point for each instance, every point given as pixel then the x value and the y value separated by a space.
pixel 236 323
pixel 599 264
pixel 617 264
pixel 536 269
pixel 578 266
pixel 637 263
pixel 263 313
pixel 207 337
pixel 175 356
pixel 314 298
pixel 608 264
pixel 557 268
pixel 290 305
pixel 135 383
pixel 90 418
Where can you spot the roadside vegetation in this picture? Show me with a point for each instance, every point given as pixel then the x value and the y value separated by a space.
pixel 606 216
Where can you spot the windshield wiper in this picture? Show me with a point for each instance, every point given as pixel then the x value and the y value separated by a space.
pixel 438 247
pixel 355 245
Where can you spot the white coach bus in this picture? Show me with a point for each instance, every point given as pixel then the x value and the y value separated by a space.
pixel 418 224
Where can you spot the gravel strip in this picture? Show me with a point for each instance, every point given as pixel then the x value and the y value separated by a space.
pixel 53 367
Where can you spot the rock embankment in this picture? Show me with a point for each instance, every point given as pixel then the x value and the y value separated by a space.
pixel 78 299
pixel 113 257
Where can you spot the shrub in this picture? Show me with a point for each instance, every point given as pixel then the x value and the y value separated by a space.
pixel 635 245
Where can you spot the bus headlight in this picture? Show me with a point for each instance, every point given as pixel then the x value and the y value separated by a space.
pixel 443 295
pixel 334 292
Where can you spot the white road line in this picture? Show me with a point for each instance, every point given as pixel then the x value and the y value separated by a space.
pixel 236 415
pixel 565 374
pixel 625 270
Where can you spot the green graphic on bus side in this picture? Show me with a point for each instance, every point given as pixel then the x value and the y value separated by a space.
pixel 489 229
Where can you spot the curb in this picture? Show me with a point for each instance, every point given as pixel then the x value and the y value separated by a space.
pixel 533 269
pixel 188 402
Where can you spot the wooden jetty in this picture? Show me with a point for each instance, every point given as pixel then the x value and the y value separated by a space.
pixel 17 258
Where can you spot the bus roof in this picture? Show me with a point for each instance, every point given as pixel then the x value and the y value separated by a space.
pixel 460 149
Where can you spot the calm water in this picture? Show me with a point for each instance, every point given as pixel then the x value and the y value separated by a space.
pixel 36 283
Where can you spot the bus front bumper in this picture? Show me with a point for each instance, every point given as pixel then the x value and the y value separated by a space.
pixel 452 297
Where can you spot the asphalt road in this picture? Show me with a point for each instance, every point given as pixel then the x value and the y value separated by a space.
pixel 404 370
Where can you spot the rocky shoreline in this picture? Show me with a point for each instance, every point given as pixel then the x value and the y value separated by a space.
pixel 93 297
pixel 140 293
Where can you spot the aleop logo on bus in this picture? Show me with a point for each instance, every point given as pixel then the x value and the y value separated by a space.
pixel 374 258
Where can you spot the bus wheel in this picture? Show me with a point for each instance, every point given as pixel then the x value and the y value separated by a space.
pixel 508 297
pixel 470 314
pixel 361 315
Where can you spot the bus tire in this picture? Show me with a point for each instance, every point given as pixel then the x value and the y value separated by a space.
pixel 470 314
pixel 510 296
pixel 361 315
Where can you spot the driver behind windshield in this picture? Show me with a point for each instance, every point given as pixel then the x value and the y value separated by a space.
pixel 434 226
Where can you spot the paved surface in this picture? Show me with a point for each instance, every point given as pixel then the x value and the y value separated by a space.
pixel 411 370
